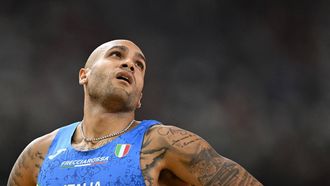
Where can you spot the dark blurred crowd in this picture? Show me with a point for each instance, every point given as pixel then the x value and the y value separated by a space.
pixel 250 77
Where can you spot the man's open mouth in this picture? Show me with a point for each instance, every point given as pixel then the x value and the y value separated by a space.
pixel 125 76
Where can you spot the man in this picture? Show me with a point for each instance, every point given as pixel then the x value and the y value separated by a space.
pixel 108 147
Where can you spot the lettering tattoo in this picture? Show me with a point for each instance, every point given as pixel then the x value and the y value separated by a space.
pixel 177 137
pixel 192 153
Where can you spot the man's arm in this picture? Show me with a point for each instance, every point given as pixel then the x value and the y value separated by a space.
pixel 192 159
pixel 212 169
pixel 26 168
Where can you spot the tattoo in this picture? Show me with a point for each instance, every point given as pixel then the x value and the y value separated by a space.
pixel 13 181
pixel 154 150
pixel 38 157
pixel 193 153
pixel 177 137
pixel 22 162
pixel 166 131
pixel 27 167
pixel 212 169
pixel 17 175
pixel 151 157
pixel 22 165
pixel 186 140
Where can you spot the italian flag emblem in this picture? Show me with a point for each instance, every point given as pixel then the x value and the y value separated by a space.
pixel 122 150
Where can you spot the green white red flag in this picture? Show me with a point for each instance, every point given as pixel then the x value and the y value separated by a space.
pixel 122 150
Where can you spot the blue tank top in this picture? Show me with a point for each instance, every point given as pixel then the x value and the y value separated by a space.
pixel 115 163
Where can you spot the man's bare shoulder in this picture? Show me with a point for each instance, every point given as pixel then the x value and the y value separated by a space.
pixel 167 147
pixel 191 158
pixel 40 145
pixel 45 140
pixel 27 166
pixel 175 138
pixel 180 144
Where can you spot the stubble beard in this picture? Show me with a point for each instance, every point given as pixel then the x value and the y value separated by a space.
pixel 113 99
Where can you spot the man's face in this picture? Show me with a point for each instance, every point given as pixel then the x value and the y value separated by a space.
pixel 116 77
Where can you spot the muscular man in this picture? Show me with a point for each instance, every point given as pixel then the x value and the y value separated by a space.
pixel 108 147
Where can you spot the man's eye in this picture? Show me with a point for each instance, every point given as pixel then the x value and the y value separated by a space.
pixel 140 65
pixel 115 54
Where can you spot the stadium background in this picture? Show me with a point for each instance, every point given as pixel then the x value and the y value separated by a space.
pixel 250 77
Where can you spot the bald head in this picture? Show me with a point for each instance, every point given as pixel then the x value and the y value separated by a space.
pixel 114 76
pixel 102 49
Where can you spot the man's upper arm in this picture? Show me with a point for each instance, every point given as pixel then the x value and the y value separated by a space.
pixel 193 160
pixel 26 168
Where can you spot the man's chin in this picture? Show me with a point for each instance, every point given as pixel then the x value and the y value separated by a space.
pixel 118 92
pixel 118 102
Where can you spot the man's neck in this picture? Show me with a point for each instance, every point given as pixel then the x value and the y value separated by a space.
pixel 99 122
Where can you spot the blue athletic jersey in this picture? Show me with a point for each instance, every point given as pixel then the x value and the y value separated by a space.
pixel 115 163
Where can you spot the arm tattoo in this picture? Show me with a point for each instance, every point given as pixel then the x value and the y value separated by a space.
pixel 13 179
pixel 38 157
pixel 178 138
pixel 209 167
pixel 212 169
pixel 152 157
pixel 192 152
pixel 24 167
pixel 165 140
pixel 22 162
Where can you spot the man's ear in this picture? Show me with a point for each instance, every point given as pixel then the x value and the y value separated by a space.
pixel 83 76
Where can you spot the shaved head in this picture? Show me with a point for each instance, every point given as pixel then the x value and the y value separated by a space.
pixel 103 72
pixel 100 50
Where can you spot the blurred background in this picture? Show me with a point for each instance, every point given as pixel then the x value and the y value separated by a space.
pixel 250 77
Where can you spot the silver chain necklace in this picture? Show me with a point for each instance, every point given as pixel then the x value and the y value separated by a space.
pixel 106 136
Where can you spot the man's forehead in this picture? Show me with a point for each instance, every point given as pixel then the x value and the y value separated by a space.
pixel 120 42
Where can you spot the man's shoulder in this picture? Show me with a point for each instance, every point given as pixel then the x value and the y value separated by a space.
pixel 43 142
pixel 161 130
pixel 30 160
pixel 38 148
pixel 47 139
pixel 168 147
pixel 173 137
pixel 165 127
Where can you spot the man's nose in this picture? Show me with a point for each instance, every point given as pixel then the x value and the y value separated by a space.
pixel 128 65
